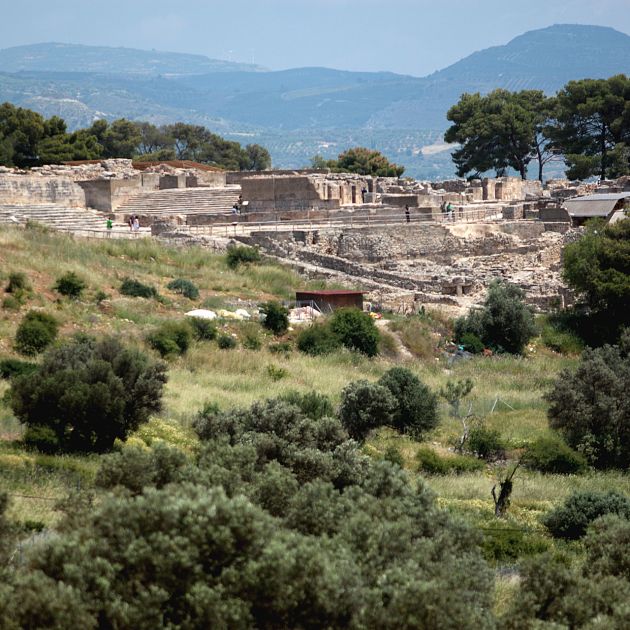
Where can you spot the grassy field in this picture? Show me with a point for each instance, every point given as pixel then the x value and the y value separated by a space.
pixel 507 391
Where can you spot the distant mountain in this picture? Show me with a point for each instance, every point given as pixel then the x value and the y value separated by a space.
pixel 304 111
pixel 55 57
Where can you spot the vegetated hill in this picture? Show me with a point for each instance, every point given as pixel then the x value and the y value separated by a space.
pixel 56 57
pixel 302 111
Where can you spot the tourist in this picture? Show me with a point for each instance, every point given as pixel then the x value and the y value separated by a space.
pixel 407 213
pixel 109 225
pixel 449 211
pixel 130 222
pixel 136 225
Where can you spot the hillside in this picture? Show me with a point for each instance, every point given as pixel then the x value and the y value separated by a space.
pixel 56 57
pixel 507 393
pixel 303 111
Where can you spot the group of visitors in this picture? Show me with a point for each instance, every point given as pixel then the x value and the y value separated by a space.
pixel 134 224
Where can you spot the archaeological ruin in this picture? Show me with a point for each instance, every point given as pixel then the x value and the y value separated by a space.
pixel 405 243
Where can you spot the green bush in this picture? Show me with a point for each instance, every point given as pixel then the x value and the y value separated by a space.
pixel 170 338
pixel 471 343
pixel 283 347
pixel 588 405
pixel 393 455
pixel 184 287
pixel 554 455
pixel 365 406
pixel 312 404
pixel 571 520
pixel 70 285
pixel 504 324
pixel 562 341
pixel 36 331
pixel 485 443
pixel 317 340
pixel 251 341
pixel 226 342
pixel 99 296
pixel 135 288
pixel 18 282
pixel 355 330
pixel 276 373
pixel 86 394
pixel 509 544
pixel 203 329
pixel 11 303
pixel 416 406
pixel 241 254
pixel 276 317
pixel 432 463
pixel 10 368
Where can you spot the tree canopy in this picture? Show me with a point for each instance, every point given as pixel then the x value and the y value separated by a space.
pixel 587 122
pixel 499 131
pixel 27 139
pixel 361 161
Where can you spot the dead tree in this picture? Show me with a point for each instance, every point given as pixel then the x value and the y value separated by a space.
pixel 502 502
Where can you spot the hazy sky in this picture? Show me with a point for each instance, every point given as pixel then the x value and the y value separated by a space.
pixel 406 36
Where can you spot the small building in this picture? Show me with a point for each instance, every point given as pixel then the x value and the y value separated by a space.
pixel 327 301
pixel 608 206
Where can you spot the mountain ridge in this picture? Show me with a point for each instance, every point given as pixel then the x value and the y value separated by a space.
pixel 303 111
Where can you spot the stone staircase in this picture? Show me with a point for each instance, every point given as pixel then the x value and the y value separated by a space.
pixel 180 201
pixel 56 217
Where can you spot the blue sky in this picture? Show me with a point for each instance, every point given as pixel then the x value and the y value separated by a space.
pixel 406 36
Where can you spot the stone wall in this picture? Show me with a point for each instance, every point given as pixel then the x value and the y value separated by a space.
pixel 23 190
pixel 109 194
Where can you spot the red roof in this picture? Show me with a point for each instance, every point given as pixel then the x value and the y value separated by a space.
pixel 331 292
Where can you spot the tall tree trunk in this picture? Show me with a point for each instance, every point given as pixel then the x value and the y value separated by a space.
pixel 602 174
pixel 540 163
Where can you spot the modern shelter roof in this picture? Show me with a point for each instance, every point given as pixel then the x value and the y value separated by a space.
pixel 599 205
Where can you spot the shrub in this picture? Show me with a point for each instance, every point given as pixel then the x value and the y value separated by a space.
pixel 485 443
pixel 553 455
pixel 429 461
pixel 203 329
pixel 504 324
pixel 562 341
pixel 416 405
pixel 135 288
pixel 10 368
pixel 36 331
pixel 70 285
pixel 99 296
pixel 252 341
pixel 471 343
pixel 241 254
pixel 284 347
pixel 170 338
pixel 276 317
pixel 18 283
pixel 393 455
pixel 317 339
pixel 572 519
pixel 226 342
pixel 87 393
pixel 508 545
pixel 355 330
pixel 184 287
pixel 589 407
pixel 277 373
pixel 365 406
pixel 11 303
pixel 312 404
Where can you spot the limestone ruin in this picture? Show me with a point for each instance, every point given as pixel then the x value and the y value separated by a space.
pixel 389 236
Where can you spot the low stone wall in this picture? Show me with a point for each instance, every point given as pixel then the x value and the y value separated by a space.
pixel 25 190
